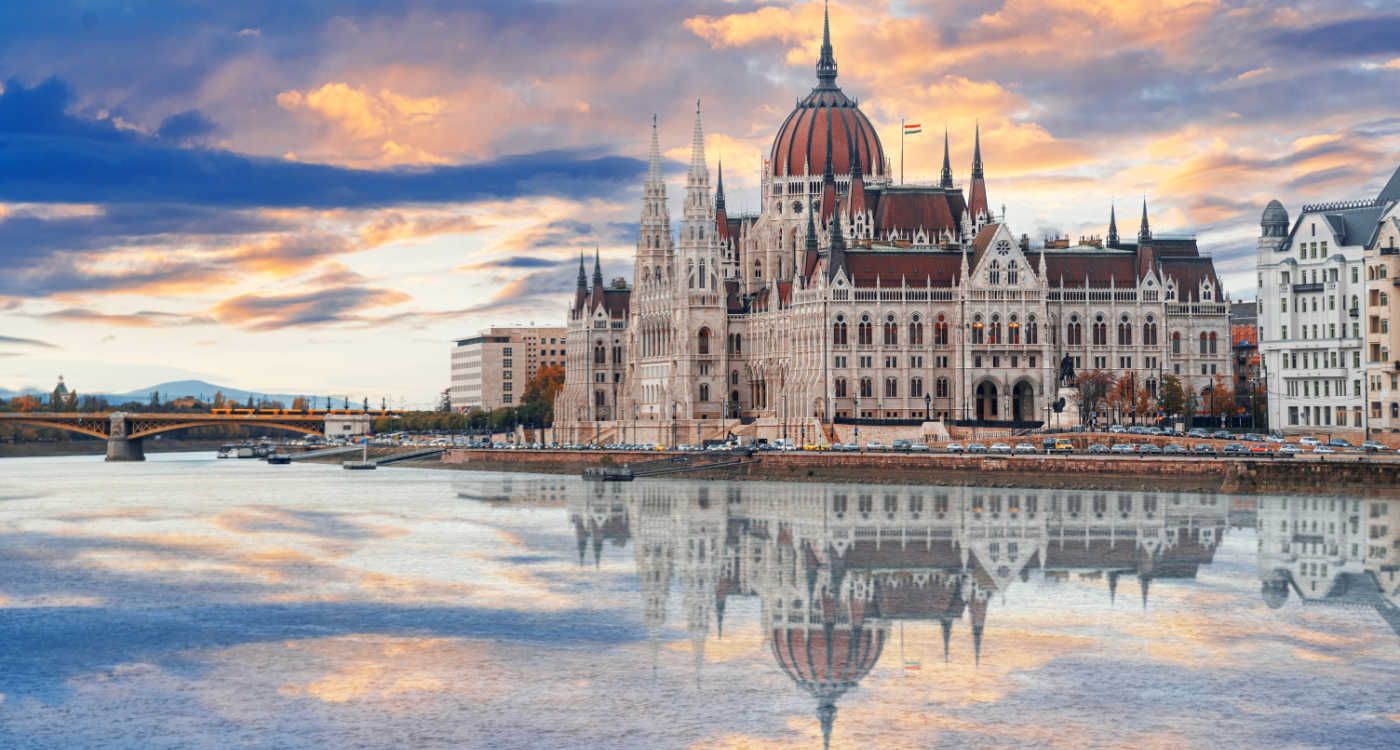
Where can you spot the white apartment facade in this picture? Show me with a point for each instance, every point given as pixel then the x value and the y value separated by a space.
pixel 490 370
pixel 1317 297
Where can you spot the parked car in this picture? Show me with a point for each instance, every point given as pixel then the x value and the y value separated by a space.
pixel 901 446
pixel 953 448
pixel 1175 449
pixel 976 448
pixel 1309 441
pixel 1149 449
pixel 1222 434
pixel 1259 449
pixel 1024 448
pixel 1117 429
pixel 1000 448
pixel 1203 449
pixel 1371 446
pixel 1123 448
pixel 874 445
pixel 1235 449
pixel 1062 446
pixel 1338 443
pixel 1288 451
pixel 1323 449
pixel 1098 448
pixel 918 447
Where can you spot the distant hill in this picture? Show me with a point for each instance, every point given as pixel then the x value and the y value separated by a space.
pixel 202 390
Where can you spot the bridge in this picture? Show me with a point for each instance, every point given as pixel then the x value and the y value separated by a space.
pixel 125 431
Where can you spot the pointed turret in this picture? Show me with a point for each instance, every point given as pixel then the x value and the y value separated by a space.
pixel 719 188
pixel 857 191
pixel 945 180
pixel 828 205
pixel 826 63
pixel 654 238
pixel 1112 226
pixel 1145 231
pixel 836 256
pixel 582 273
pixel 977 204
pixel 597 269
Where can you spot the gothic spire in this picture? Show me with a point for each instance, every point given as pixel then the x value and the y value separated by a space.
pixel 582 273
pixel 697 148
pixel 719 188
pixel 977 154
pixel 826 64
pixel 946 179
pixel 654 155
pixel 1145 231
pixel 812 245
pixel 597 269
pixel 1112 225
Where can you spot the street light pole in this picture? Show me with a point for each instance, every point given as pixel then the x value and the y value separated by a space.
pixel 857 421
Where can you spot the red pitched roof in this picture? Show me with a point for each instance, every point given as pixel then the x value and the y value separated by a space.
pixel 894 268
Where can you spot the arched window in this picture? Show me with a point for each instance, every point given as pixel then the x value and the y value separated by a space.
pixel 1032 330
pixel 940 388
pixel 704 342
pixel 994 273
pixel 1013 329
pixel 1203 343
pixel 916 331
pixel 867 390
pixel 840 387
pixel 978 329
pixel 704 392
pixel 1176 342
pixel 1011 272
pixel 757 268
pixel 891 387
pixel 600 354
pixel 1100 331
pixel 940 332
pixel 1074 332
pixel 838 331
pixel 734 377
pixel 1125 332
pixel 994 330
pixel 1149 332
pixel 1212 342
pixel 864 332
pixel 891 331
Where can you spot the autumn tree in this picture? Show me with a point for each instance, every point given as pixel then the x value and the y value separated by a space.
pixel 299 403
pixel 537 408
pixel 1094 389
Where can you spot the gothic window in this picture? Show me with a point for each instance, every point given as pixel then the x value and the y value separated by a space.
pixel 1100 331
pixel 703 345
pixel 734 377
pixel 941 388
pixel 840 388
pixel 891 332
pixel 1032 334
pixel 977 329
pixel 891 387
pixel 1212 342
pixel 1125 332
pixel 916 388
pixel 1074 332
pixel 916 332
pixel 838 331
pixel 1176 342
pixel 600 398
pixel 617 355
pixel 1203 343
pixel 1149 332
pixel 757 268
pixel 1011 272
pixel 864 332
pixel 940 332
pixel 994 273
pixel 867 389
pixel 994 330
pixel 704 392
pixel 600 354
pixel 1013 331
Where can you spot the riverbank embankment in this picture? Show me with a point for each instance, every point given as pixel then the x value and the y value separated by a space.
pixel 1344 475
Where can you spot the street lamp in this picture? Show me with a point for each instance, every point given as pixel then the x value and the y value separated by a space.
pixel 928 406
pixel 856 420
pixel 785 419
pixel 674 406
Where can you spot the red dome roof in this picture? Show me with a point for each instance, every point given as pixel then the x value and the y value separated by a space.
pixel 827 115
pixel 801 141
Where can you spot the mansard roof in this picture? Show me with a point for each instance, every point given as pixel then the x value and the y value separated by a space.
pixel 938 268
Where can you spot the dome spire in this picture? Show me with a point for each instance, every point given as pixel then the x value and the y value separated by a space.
pixel 977 154
pixel 1145 231
pixel 826 64
pixel 719 188
pixel 582 283
pixel 597 268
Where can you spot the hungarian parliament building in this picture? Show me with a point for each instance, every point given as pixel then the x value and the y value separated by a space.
pixel 850 298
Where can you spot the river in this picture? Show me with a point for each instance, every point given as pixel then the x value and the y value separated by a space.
pixel 186 602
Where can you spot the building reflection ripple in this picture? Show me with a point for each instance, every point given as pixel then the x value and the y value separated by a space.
pixel 836 568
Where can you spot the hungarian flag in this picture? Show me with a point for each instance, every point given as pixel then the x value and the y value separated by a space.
pixel 912 128
pixel 912 665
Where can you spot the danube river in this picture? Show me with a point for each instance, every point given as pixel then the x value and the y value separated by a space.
pixel 186 602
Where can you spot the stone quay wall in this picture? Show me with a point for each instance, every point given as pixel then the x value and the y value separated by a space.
pixel 1344 475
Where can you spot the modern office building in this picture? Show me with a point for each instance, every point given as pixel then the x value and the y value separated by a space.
pixel 490 370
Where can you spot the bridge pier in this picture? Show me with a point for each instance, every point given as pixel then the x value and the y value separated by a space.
pixel 125 449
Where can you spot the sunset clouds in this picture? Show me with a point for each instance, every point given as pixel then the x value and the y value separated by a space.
pixel 214 163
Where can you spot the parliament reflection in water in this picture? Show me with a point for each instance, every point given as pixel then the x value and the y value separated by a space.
pixel 835 568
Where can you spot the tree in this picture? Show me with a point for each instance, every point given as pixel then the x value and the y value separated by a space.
pixel 1173 396
pixel 299 403
pixel 155 400
pixel 540 394
pixel 26 403
pixel 445 400
pixel 219 401
pixel 1094 387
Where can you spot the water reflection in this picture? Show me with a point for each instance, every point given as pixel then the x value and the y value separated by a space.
pixel 1331 552
pixel 837 569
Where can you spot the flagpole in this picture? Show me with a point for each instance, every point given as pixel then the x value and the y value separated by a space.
pixel 901 150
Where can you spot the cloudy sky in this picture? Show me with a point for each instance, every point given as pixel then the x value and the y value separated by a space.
pixel 320 196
